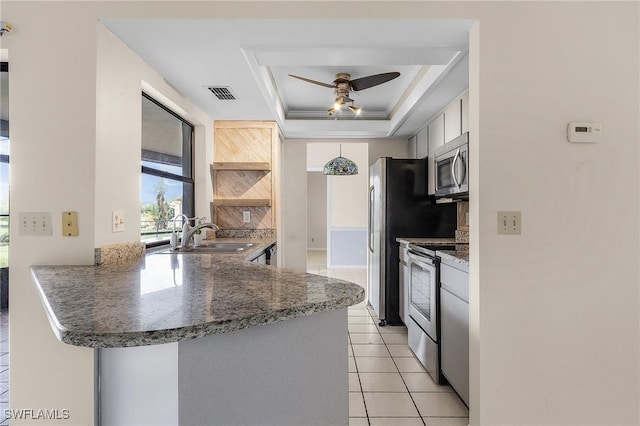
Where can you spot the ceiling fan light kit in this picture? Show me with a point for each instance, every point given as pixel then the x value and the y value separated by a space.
pixel 343 84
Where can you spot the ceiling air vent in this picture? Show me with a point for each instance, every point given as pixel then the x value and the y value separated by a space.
pixel 222 93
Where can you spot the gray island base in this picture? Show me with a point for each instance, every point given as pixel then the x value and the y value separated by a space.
pixel 286 373
pixel 206 339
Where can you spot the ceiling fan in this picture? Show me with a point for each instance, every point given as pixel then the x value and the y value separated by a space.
pixel 343 85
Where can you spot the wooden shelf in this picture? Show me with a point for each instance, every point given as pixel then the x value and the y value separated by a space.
pixel 242 202
pixel 231 165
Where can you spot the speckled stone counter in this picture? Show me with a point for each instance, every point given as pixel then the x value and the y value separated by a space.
pixel 426 240
pixel 167 298
pixel 456 258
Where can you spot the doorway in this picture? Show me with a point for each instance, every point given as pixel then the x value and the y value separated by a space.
pixel 316 222
pixel 337 212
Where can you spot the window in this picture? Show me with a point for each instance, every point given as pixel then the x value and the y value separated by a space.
pixel 4 168
pixel 167 187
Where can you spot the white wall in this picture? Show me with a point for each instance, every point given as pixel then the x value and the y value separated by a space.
pixel 316 211
pixel 89 120
pixel 390 147
pixel 546 295
pixel 53 129
pixel 121 77
pixel 554 311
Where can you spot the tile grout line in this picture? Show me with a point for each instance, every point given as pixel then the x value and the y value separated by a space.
pixel 405 384
pixel 364 403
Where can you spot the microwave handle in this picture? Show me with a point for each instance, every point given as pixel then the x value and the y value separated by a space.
pixel 463 169
pixel 453 168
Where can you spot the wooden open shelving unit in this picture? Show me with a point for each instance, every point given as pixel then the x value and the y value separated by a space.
pixel 243 202
pixel 243 176
pixel 230 165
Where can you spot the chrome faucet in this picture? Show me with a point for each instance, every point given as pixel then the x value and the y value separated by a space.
pixel 188 231
pixel 174 234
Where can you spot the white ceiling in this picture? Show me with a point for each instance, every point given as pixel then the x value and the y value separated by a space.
pixel 254 57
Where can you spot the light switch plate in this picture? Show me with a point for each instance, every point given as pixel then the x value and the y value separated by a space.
pixel 509 223
pixel 70 224
pixel 35 223
pixel 117 221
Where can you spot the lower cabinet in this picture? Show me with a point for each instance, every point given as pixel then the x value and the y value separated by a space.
pixel 260 258
pixel 403 281
pixel 454 328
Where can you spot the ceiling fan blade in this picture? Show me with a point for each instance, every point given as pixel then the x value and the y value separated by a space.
pixel 319 83
pixel 372 80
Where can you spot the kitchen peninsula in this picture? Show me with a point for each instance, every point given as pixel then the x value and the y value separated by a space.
pixel 186 339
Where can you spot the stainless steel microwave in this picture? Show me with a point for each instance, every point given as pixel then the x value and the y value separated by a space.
pixel 452 167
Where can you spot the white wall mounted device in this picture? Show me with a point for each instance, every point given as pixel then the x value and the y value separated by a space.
pixel 584 132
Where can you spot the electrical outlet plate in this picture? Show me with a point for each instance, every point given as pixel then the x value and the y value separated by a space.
pixel 70 224
pixel 509 223
pixel 246 216
pixel 117 221
pixel 35 223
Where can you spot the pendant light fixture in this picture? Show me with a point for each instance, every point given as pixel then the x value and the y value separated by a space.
pixel 341 166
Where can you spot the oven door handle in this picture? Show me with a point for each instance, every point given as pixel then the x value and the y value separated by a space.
pixel 420 259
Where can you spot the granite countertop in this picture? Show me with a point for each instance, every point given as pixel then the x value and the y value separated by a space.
pixel 165 298
pixel 457 258
pixel 426 240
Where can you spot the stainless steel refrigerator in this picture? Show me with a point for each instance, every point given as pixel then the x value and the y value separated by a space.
pixel 399 207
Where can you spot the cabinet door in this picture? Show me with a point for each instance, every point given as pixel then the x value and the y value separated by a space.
pixel 454 342
pixel 404 276
pixel 422 143
pixel 435 131
pixel 465 112
pixel 413 147
pixel 452 121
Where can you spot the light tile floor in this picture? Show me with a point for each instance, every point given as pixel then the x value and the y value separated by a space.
pixel 387 384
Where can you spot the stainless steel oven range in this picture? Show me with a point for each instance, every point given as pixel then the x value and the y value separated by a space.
pixel 424 304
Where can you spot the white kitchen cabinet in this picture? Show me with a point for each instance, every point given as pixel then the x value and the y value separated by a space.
pixel 422 143
pixel 404 277
pixel 435 131
pixel 465 111
pixel 413 152
pixel 453 120
pixel 454 327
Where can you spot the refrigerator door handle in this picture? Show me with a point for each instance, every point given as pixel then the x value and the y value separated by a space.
pixel 371 218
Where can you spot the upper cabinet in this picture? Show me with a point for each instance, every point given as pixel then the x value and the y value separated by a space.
pixel 465 111
pixel 453 120
pixel 436 130
pixel 422 143
pixel 448 125
pixel 243 175
pixel 413 147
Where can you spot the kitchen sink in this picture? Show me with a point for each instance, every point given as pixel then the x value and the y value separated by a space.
pixel 222 247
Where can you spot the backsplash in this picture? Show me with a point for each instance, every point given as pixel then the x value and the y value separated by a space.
pixel 462 237
pixel 246 233
pixel 463 216
pixel 462 231
pixel 114 254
